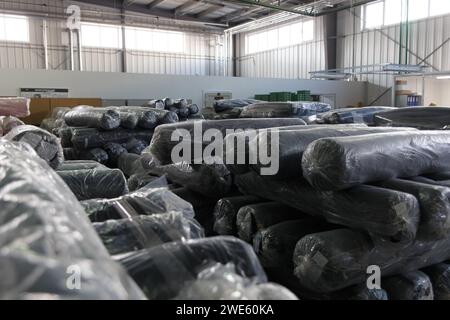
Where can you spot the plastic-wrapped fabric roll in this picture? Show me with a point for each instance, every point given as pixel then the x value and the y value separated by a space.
pixel 161 145
pixel 94 154
pixel 46 145
pixel 228 104
pixel 145 201
pixel 434 204
pixel 203 207
pixel 414 285
pixel 383 212
pixel 439 176
pixel 183 113
pixel 236 145
pixel 157 104
pixel 225 213
pixel 65 136
pixel 100 118
pixel 70 165
pixel 139 232
pixel 130 164
pixel 51 237
pixel 292 143
pixel 95 183
pixel 256 217
pixel 140 180
pixel 275 245
pixel 161 272
pixel 128 120
pixel 135 146
pixel 168 102
pixel 209 180
pixel 354 115
pixel 333 260
pixel 8 123
pixel 439 275
pixel 71 154
pixel 193 109
pixel 424 118
pixel 114 151
pixel 180 103
pixel 269 110
pixel 85 138
pixel 220 282
pixel 16 107
pixel 343 162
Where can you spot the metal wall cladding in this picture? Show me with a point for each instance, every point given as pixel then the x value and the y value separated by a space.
pixel 203 54
pixel 363 48
pixel 292 62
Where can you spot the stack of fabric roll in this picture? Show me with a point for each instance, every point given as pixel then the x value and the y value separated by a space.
pixel 348 200
pixel 103 134
pixel 181 107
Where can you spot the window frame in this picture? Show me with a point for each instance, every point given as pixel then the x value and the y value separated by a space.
pixel 155 32
pixel 119 35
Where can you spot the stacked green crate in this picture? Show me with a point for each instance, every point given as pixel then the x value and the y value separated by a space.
pixel 294 96
pixel 262 97
pixel 303 95
pixel 284 96
pixel 273 96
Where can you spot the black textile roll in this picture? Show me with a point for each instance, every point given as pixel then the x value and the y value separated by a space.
pixel 95 183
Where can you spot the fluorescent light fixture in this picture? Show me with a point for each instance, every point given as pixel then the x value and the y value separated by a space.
pixel 331 76
pixel 403 68
pixel 443 77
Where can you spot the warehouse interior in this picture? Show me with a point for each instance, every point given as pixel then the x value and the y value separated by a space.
pixel 225 150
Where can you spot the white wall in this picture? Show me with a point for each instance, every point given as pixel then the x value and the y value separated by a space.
pixel 113 85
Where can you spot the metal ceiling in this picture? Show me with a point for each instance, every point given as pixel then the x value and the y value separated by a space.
pixel 225 13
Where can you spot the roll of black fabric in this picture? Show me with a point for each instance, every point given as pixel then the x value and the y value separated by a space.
pixel 343 162
pixel 226 210
pixel 161 272
pixel 95 183
pixel 380 211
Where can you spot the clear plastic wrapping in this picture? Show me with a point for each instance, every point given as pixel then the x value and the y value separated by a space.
pixel 135 146
pixel 292 143
pixel 439 275
pixel 45 237
pixel 148 200
pixel 203 207
pixel 353 115
pixel 225 213
pixel 8 123
pixel 383 212
pixel 256 217
pixel 333 260
pixel 94 154
pixel 339 163
pixel 46 145
pixel 139 232
pixel 95 183
pixel 193 109
pixel 284 109
pixel 229 104
pixel 426 118
pixel 221 282
pixel 161 145
pixel 100 118
pixel 130 164
pixel 157 104
pixel 114 151
pixel 211 180
pixel 140 180
pixel 434 204
pixel 275 245
pixel 414 285
pixel 162 271
pixel 85 138
pixel 16 107
pixel 70 165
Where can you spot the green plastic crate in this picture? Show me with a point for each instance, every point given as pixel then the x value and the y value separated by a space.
pixel 262 97
pixel 304 95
